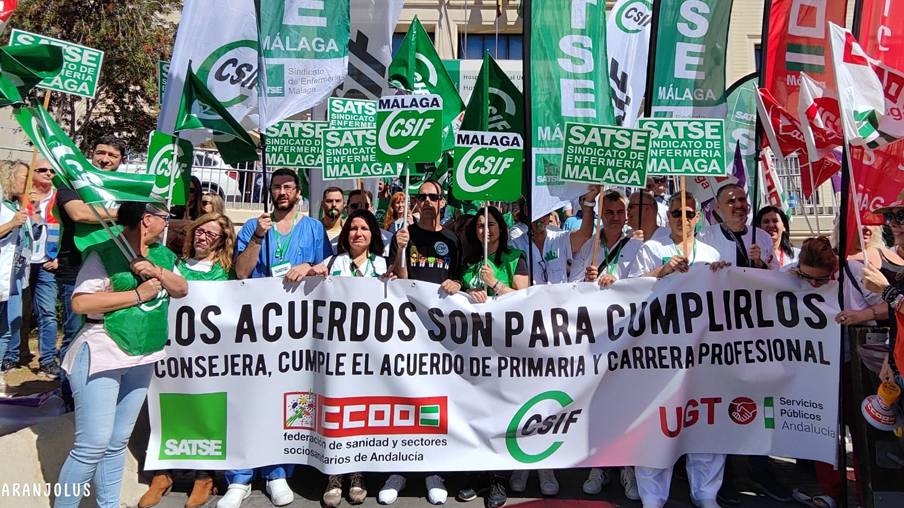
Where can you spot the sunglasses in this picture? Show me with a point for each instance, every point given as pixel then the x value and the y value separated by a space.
pixel 43 170
pixel 660 180
pixel 356 205
pixel 206 202
pixel 676 214
pixel 433 197
pixel 805 276
pixel 894 216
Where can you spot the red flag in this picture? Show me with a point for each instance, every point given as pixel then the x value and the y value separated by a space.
pixel 798 42
pixel 6 11
pixel 878 174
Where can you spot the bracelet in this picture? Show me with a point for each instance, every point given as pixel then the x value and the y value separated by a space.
pixel 160 273
pixel 496 285
pixel 889 295
pixel 259 237
pixel 875 312
pixel 138 297
pixel 897 302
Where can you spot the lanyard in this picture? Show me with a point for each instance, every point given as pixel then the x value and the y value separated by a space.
pixel 354 267
pixel 280 248
pixel 781 258
pixel 610 265
pixel 694 252
pixel 742 254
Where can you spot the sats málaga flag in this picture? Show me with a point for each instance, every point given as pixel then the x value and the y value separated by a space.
pixel 798 42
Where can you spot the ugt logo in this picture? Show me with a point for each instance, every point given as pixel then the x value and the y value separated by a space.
pixel 538 425
pixel 689 415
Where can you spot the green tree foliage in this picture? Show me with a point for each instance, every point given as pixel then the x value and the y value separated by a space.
pixel 133 35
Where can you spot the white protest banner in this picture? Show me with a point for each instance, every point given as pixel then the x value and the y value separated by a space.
pixel 348 374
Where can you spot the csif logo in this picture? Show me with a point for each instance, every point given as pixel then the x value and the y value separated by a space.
pixel 488 163
pixel 420 84
pixel 193 426
pixel 632 17
pixel 409 128
pixel 530 426
pixel 231 67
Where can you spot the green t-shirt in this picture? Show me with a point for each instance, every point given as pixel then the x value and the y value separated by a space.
pixel 505 272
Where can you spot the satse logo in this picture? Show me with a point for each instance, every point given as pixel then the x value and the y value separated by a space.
pixel 193 426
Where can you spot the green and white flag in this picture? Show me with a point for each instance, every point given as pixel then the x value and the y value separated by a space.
pixel 304 46
pixel 418 69
pixel 488 166
pixel 569 83
pixel 410 128
pixel 24 67
pixel 91 184
pixel 199 109
pixel 80 69
pixel 496 104
pixel 160 162
pixel 689 71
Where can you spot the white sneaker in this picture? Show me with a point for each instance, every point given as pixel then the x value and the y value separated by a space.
pixel 280 493
pixel 629 482
pixel 436 489
pixel 390 491
pixel 518 480
pixel 235 494
pixel 594 484
pixel 6 390
pixel 549 486
pixel 705 503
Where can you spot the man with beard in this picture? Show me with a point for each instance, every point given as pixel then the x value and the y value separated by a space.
pixel 650 228
pixel 332 204
pixel 734 238
pixel 296 243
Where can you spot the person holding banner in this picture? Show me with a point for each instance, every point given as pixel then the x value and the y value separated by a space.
pixel 359 199
pixel 425 251
pixel 616 249
pixel 501 269
pixel 12 262
pixel 111 360
pixel 293 246
pixel 733 238
pixel 650 228
pixel 360 250
pixel 659 258
pixel 774 221
pixel 207 256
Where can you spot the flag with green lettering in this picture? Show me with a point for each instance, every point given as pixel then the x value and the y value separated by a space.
pixel 496 104
pixel 689 69
pixel 200 109
pixel 417 68
pixel 23 67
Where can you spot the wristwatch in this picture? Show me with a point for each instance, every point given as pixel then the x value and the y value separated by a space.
pixel 588 204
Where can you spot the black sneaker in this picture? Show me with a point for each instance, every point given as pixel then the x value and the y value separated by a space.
pixel 496 498
pixel 466 495
pixel 728 494
pixel 9 365
pixel 767 484
pixel 50 371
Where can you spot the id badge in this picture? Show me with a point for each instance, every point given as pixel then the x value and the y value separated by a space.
pixel 281 269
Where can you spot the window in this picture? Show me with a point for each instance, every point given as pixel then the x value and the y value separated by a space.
pixel 397 41
pixel 478 44
pixel 757 56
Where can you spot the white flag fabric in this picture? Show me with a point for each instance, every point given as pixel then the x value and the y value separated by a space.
pixel 869 93
pixel 304 46
pixel 820 118
pixel 219 38
pixel 628 43
pixel 370 48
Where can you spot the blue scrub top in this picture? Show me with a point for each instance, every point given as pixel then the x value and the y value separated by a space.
pixel 308 244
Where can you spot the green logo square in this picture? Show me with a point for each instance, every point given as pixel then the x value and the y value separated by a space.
pixel 410 128
pixel 276 80
pixel 193 426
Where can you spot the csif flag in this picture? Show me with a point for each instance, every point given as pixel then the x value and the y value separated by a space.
pixel 869 93
pixel 819 118
pixel 23 67
pixel 418 69
pixel 496 104
pixel 628 42
pixel 199 109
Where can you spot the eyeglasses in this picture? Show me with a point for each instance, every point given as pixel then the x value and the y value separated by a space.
pixel 43 170
pixel 660 180
pixel 543 266
pixel 894 216
pixel 210 235
pixel 813 278
pixel 432 195
pixel 164 216
pixel 287 187
pixel 676 214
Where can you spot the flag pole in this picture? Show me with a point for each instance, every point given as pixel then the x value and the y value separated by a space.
pixel 172 180
pixel 528 155
pixel 648 97
pixel 758 128
pixel 599 227
pixel 407 192
pixel 124 246
pixel 486 230
pixel 34 158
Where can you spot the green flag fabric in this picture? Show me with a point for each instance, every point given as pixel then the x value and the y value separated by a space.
pixel 417 68
pixel 200 109
pixel 496 104
pixel 23 67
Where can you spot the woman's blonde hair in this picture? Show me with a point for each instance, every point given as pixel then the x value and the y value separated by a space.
pixel 216 202
pixel 8 169
pixel 226 249
pixel 390 211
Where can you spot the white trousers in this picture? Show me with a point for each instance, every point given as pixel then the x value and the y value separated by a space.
pixel 704 473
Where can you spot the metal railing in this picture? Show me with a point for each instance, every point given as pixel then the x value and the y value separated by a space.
pixel 822 202
pixel 12 146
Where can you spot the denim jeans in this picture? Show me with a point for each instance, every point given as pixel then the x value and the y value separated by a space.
pixel 106 407
pixel 244 476
pixel 71 324
pixel 4 338
pixel 44 286
pixel 13 323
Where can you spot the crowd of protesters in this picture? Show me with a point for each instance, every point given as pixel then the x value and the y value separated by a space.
pixel 113 313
